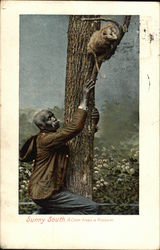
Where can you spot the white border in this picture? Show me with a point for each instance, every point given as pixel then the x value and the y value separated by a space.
pixel 121 232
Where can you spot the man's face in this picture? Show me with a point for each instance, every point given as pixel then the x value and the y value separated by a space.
pixel 50 122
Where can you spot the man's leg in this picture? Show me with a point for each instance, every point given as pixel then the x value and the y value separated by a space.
pixel 65 202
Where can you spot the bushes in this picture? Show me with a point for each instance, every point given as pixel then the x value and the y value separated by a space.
pixel 116 179
pixel 24 174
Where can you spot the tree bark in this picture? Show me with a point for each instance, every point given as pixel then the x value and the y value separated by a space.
pixel 79 69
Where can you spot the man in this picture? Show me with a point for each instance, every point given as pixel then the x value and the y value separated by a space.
pixel 50 153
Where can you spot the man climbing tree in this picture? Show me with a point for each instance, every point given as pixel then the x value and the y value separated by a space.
pixel 49 151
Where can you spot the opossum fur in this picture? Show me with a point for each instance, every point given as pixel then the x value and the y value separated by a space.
pixel 102 41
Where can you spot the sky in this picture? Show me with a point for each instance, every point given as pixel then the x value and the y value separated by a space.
pixel 43 53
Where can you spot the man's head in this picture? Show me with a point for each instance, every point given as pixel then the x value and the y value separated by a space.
pixel 45 120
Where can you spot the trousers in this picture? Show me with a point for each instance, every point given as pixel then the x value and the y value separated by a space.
pixel 66 202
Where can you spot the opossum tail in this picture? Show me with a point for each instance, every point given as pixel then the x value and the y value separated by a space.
pixel 96 62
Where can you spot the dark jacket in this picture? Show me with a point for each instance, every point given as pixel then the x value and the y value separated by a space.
pixel 51 153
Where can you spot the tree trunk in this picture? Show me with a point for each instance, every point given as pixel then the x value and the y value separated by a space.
pixel 80 68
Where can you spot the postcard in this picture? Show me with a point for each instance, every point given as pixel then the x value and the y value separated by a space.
pixel 79 125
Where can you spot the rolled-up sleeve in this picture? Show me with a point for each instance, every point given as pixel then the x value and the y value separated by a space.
pixel 65 134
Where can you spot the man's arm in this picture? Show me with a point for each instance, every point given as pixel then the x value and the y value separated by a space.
pixel 74 127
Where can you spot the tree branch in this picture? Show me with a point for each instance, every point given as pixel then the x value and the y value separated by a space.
pixel 101 19
pixel 125 25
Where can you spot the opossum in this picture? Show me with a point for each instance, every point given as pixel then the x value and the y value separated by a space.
pixel 101 42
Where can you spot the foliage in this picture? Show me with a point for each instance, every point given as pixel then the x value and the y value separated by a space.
pixel 116 178
pixel 27 128
pixel 25 170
